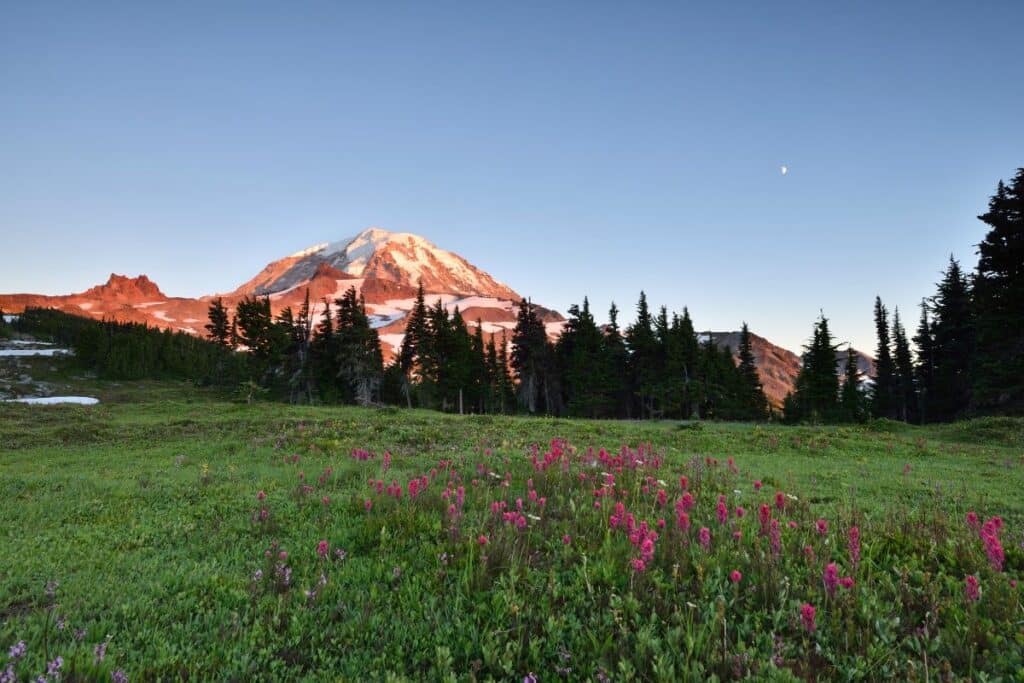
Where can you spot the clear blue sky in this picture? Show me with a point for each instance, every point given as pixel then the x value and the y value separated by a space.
pixel 587 149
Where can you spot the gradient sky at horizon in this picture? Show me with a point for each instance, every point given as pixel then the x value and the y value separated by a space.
pixel 585 149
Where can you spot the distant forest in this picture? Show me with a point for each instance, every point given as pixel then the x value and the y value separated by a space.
pixel 967 356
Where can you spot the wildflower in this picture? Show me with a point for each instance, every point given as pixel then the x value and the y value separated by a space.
pixel 529 678
pixel 686 502
pixel 971 589
pixel 764 516
pixel 367 504
pixel 831 578
pixel 775 534
pixel 340 554
pixel 684 482
pixel 261 495
pixel 18 650
pixel 258 576
pixel 853 544
pixel 757 485
pixel 322 549
pixel 118 677
pixel 809 553
pixel 100 651
pixel 53 668
pixel 51 589
pixel 822 526
pixel 482 540
pixel 1013 583
pixel 638 564
pixel 736 576
pixel 723 512
pixel 780 500
pixel 738 535
pixel 791 524
pixel 705 537
pixel 79 634
pixel 994 550
pixel 683 521
pixel 567 539
pixel 326 501
pixel 807 616
pixel 662 497
pixel 396 572
pixel 846 582
pixel 740 512
pixel 282 556
pixel 661 523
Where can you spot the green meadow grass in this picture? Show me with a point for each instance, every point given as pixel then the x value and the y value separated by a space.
pixel 141 508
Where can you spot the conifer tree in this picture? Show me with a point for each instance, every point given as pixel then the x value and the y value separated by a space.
pixel 851 399
pixel 817 384
pixel 615 365
pixel 505 385
pixel 924 370
pixel 883 391
pixel 906 393
pixel 360 361
pixel 531 361
pixel 581 364
pixel 753 403
pixel 953 346
pixel 643 351
pixel 219 327
pixel 999 303
pixel 412 349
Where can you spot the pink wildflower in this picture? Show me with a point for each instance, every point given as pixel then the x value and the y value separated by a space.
pixel 846 582
pixel 831 578
pixel 567 539
pixel 822 526
pixel 638 564
pixel 482 540
pixel 684 482
pixel 723 512
pixel 971 589
pixel 853 544
pixel 261 495
pixel 740 512
pixel 807 617
pixel 736 576
pixel 322 549
pixel 780 500
pixel 367 504
pixel 705 537
pixel 757 485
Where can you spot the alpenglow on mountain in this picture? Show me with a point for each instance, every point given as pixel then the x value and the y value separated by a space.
pixel 385 268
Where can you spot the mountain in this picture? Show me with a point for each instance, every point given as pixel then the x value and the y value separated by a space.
pixel 385 268
pixel 376 254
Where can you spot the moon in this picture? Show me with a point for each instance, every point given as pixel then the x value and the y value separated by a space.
pixel 784 169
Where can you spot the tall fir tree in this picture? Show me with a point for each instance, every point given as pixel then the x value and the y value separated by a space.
pixel 999 303
pixel 906 392
pixel 616 365
pixel 219 327
pixel 411 351
pixel 581 364
pixel 924 368
pixel 752 401
pixel 851 398
pixel 953 346
pixel 883 390
pixel 817 384
pixel 643 358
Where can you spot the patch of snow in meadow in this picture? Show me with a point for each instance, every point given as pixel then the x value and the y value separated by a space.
pixel 85 306
pixel 27 342
pixel 162 315
pixel 10 318
pixel 55 400
pixel 484 302
pixel 148 304
pixel 191 320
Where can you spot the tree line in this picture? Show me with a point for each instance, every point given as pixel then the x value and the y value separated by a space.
pixel 968 350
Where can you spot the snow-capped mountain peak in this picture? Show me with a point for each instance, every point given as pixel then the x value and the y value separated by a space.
pixel 399 257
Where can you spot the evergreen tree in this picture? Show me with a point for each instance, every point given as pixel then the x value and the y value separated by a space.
pixel 532 362
pixel 581 364
pixel 953 346
pixel 924 370
pixel 753 403
pixel 643 358
pixel 817 384
pixel 615 366
pixel 360 362
pixel 883 391
pixel 906 392
pixel 505 385
pixel 999 302
pixel 412 349
pixel 851 400
pixel 324 357
pixel 219 328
